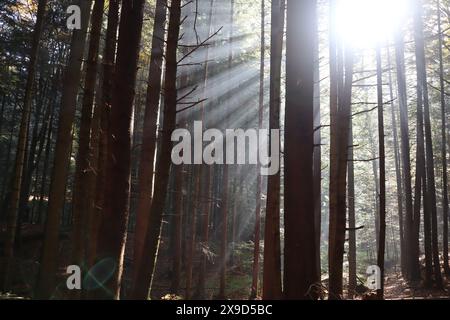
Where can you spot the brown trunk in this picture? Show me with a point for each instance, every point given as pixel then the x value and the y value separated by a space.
pixel 445 207
pixel 49 258
pixel 317 160
pixel 146 163
pixel 376 182
pixel 257 229
pixel 412 259
pixel 419 190
pixel 104 106
pixel 300 270
pixel 272 251
pixel 82 198
pixel 112 231
pixel 382 174
pixel 338 170
pixel 147 263
pixel 351 218
pixel 430 191
pixel 398 174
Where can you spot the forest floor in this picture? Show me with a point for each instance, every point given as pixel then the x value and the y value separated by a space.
pixel 396 288
pixel 238 276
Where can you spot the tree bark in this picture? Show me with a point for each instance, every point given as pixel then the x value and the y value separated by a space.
pixel 338 174
pixel 382 173
pixel 147 263
pixel 412 258
pixel 430 191
pixel 49 258
pixel 146 163
pixel 317 160
pixel 272 250
pixel 445 206
pixel 112 232
pixel 108 64
pixel 398 174
pixel 257 229
pixel 82 199
pixel 351 219
pixel 300 271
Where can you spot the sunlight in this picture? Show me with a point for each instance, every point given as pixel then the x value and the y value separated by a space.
pixel 364 23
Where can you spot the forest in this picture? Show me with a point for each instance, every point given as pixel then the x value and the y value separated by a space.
pixel 224 149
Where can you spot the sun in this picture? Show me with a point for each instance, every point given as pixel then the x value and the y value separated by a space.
pixel 364 23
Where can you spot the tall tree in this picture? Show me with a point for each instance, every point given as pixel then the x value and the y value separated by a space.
pixel 430 191
pixel 272 251
pixel 104 105
pixel 146 162
pixel 340 112
pixel 398 174
pixel 300 271
pixel 112 232
pixel 317 158
pixel 445 205
pixel 382 173
pixel 352 277
pixel 49 258
pixel 20 163
pixel 82 199
pixel 147 263
pixel 412 269
pixel 255 273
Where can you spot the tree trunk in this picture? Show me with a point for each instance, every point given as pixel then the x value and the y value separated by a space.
pixel 351 219
pixel 430 192
pixel 112 232
pixel 108 64
pixel 82 198
pixel 272 250
pixel 445 207
pixel 412 259
pixel 376 182
pixel 317 160
pixel 382 174
pixel 20 163
pixel 398 173
pixel 338 174
pixel 49 258
pixel 147 263
pixel 146 163
pixel 300 271
pixel 256 250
